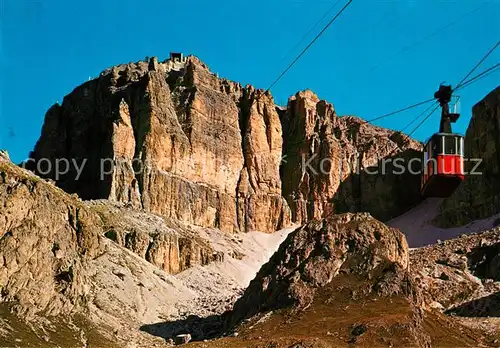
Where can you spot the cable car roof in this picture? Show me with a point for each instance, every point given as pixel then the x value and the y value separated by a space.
pixel 442 134
pixel 453 134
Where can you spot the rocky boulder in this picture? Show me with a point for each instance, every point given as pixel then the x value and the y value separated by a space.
pixel 347 280
pixel 167 244
pixel 461 272
pixel 478 197
pixel 312 256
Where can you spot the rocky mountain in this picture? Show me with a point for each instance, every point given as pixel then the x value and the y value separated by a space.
pixel 68 279
pixel 125 229
pixel 460 275
pixel 175 139
pixel 46 237
pixel 478 197
pixel 4 155
pixel 352 264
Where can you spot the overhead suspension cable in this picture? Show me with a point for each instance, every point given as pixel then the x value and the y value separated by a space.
pixel 395 112
pixel 310 30
pixel 310 44
pixel 477 65
pixel 417 118
pixel 463 83
pixel 416 43
pixel 478 77
pixel 425 119
pixel 374 119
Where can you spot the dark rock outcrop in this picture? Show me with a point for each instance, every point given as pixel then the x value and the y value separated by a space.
pixel 166 244
pixel 313 255
pixel 4 155
pixel 458 271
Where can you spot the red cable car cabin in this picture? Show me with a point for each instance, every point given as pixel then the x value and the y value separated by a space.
pixel 443 165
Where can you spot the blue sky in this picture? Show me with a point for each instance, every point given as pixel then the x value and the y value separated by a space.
pixel 51 46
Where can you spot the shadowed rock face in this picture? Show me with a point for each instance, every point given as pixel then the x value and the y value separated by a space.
pixel 478 197
pixel 174 139
pixel 46 238
pixel 342 164
pixel 313 255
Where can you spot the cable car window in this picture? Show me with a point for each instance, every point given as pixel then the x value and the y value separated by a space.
pixel 459 141
pixel 449 146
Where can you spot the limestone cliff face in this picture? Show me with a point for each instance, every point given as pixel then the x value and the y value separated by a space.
pixel 174 139
pixel 167 245
pixel 478 197
pixel 259 188
pixel 46 239
pixel 341 164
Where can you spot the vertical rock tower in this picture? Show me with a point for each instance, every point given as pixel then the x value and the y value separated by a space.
pixel 174 139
